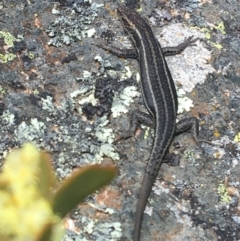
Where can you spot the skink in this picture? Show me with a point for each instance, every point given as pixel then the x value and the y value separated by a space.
pixel 159 95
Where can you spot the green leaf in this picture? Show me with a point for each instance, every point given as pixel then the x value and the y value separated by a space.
pixel 82 183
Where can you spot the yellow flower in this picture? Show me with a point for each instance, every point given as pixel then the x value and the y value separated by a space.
pixel 24 210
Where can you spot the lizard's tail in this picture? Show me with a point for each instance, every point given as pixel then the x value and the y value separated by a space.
pixel 144 194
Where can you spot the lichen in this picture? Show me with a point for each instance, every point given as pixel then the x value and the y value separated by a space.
pixel 48 105
pixel 30 132
pixel 9 40
pixel 102 230
pixel 72 22
pixel 223 194
pixel 237 138
pixel 4 58
pixel 7 118
pixel 123 100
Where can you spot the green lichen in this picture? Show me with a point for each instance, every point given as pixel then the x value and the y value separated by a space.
pixel 35 92
pixel 146 134
pixel 8 38
pixel 217 45
pixel 31 55
pixel 223 194
pixel 3 58
pixel 9 41
pixel 208 34
pixel 2 91
pixel 7 57
pixel 237 138
pixel 221 28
